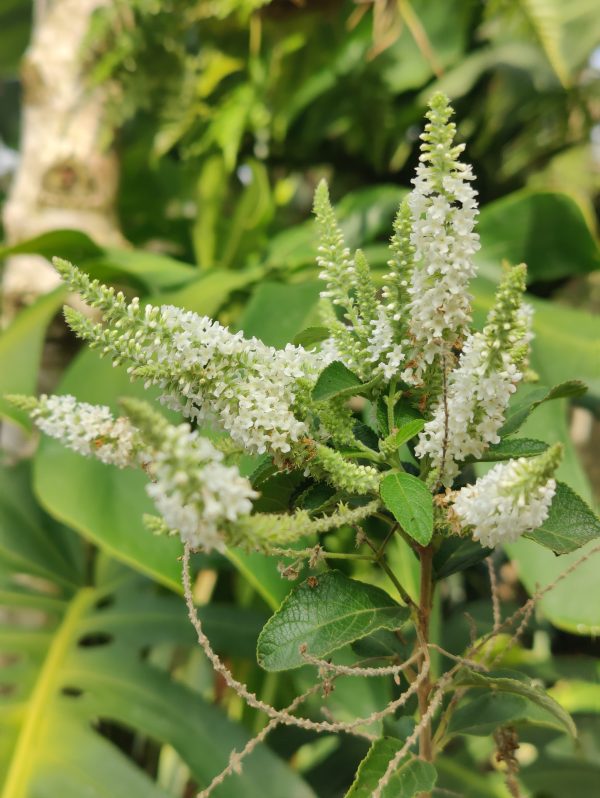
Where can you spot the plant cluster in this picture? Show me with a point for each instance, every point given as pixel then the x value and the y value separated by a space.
pixel 437 400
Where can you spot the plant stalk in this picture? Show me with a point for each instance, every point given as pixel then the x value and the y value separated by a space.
pixel 425 604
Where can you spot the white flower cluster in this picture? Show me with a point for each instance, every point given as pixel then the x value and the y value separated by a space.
pixel 382 348
pixel 206 371
pixel 511 499
pixel 473 412
pixel 194 491
pixel 88 429
pixel 467 418
pixel 444 211
pixel 247 387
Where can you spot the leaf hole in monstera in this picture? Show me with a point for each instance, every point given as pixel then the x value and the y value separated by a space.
pixel 71 692
pixel 95 639
pixel 105 602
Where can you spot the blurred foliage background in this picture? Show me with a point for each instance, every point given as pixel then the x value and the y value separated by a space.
pixel 223 115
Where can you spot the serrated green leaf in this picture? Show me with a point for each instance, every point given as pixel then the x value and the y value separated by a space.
pixel 512 447
pixel 570 523
pixel 310 336
pixel 412 777
pixel 325 616
pixel 411 504
pixel 485 713
pixel 516 686
pixel 519 412
pixel 336 380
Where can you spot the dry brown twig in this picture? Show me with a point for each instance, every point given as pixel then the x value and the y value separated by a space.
pixel 497 612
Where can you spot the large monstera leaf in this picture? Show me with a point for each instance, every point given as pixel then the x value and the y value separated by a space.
pixel 75 636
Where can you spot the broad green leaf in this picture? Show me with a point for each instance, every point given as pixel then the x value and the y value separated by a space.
pixel 210 291
pixel 462 774
pixel 21 347
pixel 521 409
pixel 82 655
pixel 518 687
pixel 412 777
pixel 575 695
pixel 411 504
pixel 154 272
pixel 277 312
pixel 151 271
pixel 570 523
pixel 104 503
pixel 562 777
pixel 512 448
pixel 325 616
pixel 311 336
pixel 484 714
pixel 73 245
pixel 546 230
pixel 336 379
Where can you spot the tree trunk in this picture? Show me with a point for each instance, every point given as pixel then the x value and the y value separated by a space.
pixel 66 178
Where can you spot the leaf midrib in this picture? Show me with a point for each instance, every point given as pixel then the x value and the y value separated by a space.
pixel 15 785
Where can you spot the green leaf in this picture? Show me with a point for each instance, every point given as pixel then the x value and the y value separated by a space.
pixel 457 554
pixel 412 777
pixel 546 230
pixel 519 412
pixel 207 294
pixel 336 379
pixel 325 616
pixel 152 271
pixel 512 448
pixel 462 774
pixel 21 350
pixel 403 414
pixel 575 695
pixel 518 687
pixel 405 433
pixel 277 312
pixel 148 270
pixel 411 504
pixel 486 713
pixel 570 523
pixel 310 336
pixel 72 245
pixel 82 654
